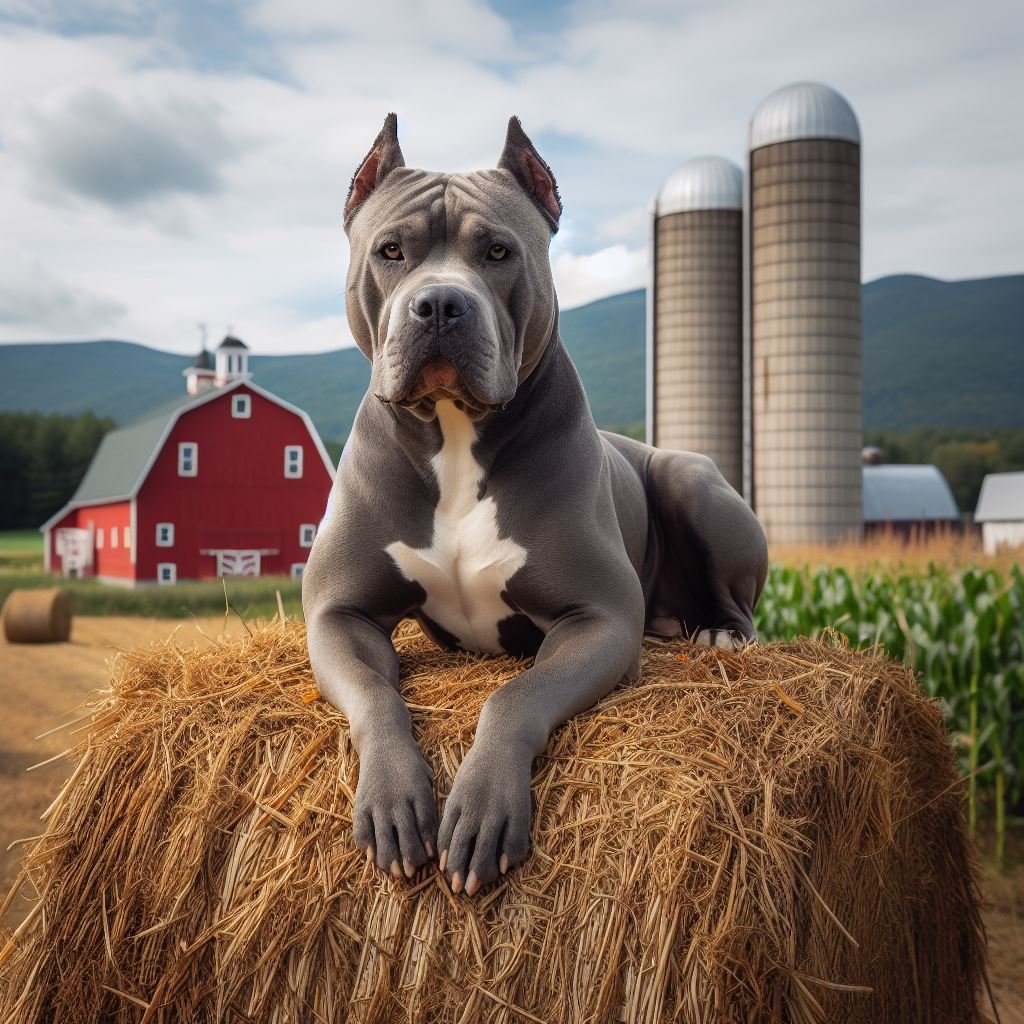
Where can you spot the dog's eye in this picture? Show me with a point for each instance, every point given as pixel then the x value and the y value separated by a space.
pixel 392 251
pixel 497 252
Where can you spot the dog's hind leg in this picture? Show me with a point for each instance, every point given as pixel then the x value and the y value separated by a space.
pixel 714 556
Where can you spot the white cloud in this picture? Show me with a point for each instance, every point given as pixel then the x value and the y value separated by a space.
pixel 440 25
pixel 34 302
pixel 581 279
pixel 322 334
pixel 93 144
pixel 34 65
pixel 229 208
pixel 52 12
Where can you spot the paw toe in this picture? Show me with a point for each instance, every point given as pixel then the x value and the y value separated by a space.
pixel 723 639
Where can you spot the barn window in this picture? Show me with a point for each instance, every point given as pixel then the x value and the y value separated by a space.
pixel 241 407
pixel 297 570
pixel 165 535
pixel 307 534
pixel 166 572
pixel 127 537
pixel 113 536
pixel 188 458
pixel 293 461
pixel 99 538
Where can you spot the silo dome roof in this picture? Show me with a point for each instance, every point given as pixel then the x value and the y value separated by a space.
pixel 803 110
pixel 703 183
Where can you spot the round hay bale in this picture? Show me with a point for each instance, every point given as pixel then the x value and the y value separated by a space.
pixel 773 835
pixel 37 616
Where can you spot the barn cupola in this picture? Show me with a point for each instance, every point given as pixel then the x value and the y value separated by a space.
pixel 232 361
pixel 199 376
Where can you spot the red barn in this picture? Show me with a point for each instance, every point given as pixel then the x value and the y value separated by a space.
pixel 230 480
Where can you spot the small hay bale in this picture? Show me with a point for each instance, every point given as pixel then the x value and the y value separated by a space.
pixel 774 835
pixel 37 616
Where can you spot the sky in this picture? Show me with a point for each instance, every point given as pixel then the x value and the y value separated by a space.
pixel 170 164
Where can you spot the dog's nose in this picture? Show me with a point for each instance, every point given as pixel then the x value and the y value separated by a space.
pixel 441 303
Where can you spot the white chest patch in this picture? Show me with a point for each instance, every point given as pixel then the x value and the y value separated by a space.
pixel 467 564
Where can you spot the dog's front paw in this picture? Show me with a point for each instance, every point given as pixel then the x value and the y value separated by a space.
pixel 395 820
pixel 485 828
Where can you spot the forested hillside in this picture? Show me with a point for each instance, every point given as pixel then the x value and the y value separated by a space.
pixel 936 353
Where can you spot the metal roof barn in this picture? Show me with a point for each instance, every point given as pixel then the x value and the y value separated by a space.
pixel 1001 511
pixel 904 493
pixel 224 481
pixel 1001 499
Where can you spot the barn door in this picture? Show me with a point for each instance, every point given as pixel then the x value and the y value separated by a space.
pixel 75 549
pixel 238 563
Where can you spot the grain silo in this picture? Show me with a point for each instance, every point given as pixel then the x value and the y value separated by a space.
pixel 804 315
pixel 695 323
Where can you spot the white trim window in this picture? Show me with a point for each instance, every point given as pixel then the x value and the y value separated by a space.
pixel 293 461
pixel 113 536
pixel 99 538
pixel 241 406
pixel 127 537
pixel 166 573
pixel 298 568
pixel 165 535
pixel 307 534
pixel 188 458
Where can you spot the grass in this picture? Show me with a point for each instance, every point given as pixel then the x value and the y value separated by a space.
pixel 251 598
pixel 21 542
pixel 21 567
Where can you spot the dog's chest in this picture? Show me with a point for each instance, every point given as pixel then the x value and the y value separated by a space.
pixel 468 563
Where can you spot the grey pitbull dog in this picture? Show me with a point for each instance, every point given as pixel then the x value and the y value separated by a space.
pixel 477 495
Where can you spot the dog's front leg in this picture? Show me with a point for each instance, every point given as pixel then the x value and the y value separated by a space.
pixel 486 823
pixel 356 668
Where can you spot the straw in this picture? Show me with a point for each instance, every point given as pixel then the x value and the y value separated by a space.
pixel 773 835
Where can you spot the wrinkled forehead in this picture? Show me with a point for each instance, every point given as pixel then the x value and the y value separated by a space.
pixel 445 204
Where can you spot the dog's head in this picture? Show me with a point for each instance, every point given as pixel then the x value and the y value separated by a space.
pixel 449 288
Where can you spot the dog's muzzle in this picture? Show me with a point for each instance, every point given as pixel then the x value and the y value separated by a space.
pixel 440 317
pixel 437 381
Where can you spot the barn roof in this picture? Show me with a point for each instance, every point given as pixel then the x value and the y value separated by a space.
pixel 897 493
pixel 1001 499
pixel 124 456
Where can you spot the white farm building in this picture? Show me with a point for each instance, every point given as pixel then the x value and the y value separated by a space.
pixel 1001 511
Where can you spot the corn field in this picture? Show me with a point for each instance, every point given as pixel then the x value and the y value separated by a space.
pixel 961 628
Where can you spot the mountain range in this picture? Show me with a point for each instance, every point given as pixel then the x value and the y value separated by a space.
pixel 936 353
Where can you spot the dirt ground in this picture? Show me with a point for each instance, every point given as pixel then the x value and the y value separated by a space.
pixel 44 685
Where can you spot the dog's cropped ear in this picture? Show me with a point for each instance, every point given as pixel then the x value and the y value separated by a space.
pixel 384 156
pixel 521 158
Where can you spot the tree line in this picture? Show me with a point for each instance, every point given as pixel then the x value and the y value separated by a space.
pixel 43 458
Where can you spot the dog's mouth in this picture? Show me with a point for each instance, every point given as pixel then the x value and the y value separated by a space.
pixel 438 381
